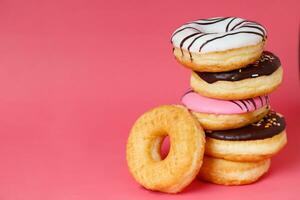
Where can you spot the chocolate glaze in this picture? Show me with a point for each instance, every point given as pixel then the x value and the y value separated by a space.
pixel 266 65
pixel 272 124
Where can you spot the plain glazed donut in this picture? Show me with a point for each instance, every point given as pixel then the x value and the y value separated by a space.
pixel 187 144
pixel 218 44
pixel 224 172
pixel 216 114
pixel 255 142
pixel 256 79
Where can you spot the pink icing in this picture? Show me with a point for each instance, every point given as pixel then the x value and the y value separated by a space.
pixel 198 103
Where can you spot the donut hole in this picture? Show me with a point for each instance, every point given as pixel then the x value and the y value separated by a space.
pixel 165 147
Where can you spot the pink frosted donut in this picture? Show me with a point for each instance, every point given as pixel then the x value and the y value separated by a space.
pixel 201 104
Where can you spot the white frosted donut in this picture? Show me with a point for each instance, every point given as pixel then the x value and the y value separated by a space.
pixel 218 34
pixel 221 34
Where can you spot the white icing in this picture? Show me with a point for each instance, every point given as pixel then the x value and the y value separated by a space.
pixel 196 37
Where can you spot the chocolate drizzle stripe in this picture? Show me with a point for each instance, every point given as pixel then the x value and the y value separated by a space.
pixel 186 38
pixel 251 23
pixel 178 31
pixel 227 26
pixel 187 92
pixel 244 105
pixel 267 99
pixel 210 19
pixel 248 102
pixel 253 102
pixel 237 104
pixel 241 22
pixel 208 41
pixel 261 101
pixel 194 42
pixel 255 27
pixel 208 23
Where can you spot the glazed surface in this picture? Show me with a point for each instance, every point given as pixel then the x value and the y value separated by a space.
pixel 266 65
pixel 202 104
pixel 218 34
pixel 269 126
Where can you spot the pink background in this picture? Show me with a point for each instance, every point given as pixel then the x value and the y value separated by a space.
pixel 74 76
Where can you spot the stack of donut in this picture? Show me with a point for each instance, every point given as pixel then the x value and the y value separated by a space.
pixel 231 78
pixel 225 132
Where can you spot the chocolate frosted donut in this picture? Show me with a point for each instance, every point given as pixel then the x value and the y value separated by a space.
pixel 255 142
pixel 266 65
pixel 257 79
pixel 269 126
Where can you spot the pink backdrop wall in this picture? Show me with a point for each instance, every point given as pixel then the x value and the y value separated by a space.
pixel 74 76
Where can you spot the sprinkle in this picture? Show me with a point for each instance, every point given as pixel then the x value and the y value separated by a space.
pixel 254 75
pixel 240 70
pixel 269 57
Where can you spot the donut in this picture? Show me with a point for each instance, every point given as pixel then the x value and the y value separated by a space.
pixel 183 162
pixel 256 79
pixel 255 142
pixel 224 172
pixel 218 44
pixel 216 114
